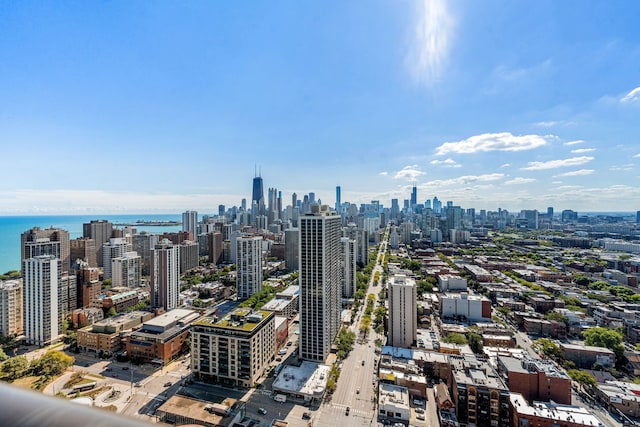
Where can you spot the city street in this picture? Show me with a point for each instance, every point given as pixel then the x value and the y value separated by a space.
pixel 357 385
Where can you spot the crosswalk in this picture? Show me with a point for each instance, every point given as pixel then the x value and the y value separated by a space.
pixel 352 411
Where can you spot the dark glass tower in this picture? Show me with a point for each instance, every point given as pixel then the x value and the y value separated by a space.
pixel 257 196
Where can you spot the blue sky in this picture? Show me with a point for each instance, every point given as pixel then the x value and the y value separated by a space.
pixel 158 106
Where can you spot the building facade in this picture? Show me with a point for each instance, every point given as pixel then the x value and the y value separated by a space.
pixel 403 318
pixel 319 280
pixel 234 350
pixel 248 265
pixel 11 307
pixel 100 231
pixel 42 311
pixel 165 275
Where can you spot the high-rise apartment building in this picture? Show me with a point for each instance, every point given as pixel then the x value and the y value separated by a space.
pixel 248 265
pixel 190 223
pixel 126 270
pixel 142 244
pixel 320 280
pixel 83 249
pixel 100 231
pixel 42 310
pixel 403 319
pixel 189 255
pixel 233 350
pixel 291 248
pixel 165 276
pixel 37 242
pixel 348 255
pixel 11 307
pixel 115 248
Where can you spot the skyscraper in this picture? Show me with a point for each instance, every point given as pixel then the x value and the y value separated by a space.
pixel 257 195
pixel 338 201
pixel 190 223
pixel 221 210
pixel 414 197
pixel 320 280
pixel 403 322
pixel 37 241
pixel 348 266
pixel 115 248
pixel 43 312
pixel 11 307
pixel 100 231
pixel 248 265
pixel 165 277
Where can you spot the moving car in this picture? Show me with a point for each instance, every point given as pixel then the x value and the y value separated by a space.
pixel 262 411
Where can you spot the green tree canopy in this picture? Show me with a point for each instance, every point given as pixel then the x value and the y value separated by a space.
pixel 455 338
pixel 15 367
pixel 584 378
pixel 604 337
pixel 52 363
pixel 475 342
pixel 549 348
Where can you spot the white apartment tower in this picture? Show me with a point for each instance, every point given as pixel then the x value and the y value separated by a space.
pixel 320 282
pixel 190 222
pixel 42 311
pixel 115 248
pixel 348 256
pixel 126 270
pixel 165 276
pixel 11 307
pixel 248 265
pixel 403 321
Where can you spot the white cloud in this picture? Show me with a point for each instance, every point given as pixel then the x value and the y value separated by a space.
pixel 636 156
pixel 505 165
pixel 580 172
pixel 553 123
pixel 448 163
pixel 632 96
pixel 519 180
pixel 410 173
pixel 467 179
pixel 583 150
pixel 625 167
pixel 385 173
pixel 553 164
pixel 503 141
pixel 65 201
pixel 576 142
pixel 432 41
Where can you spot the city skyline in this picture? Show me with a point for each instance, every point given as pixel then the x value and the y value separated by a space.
pixel 491 105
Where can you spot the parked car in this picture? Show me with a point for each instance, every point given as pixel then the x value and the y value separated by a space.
pixel 306 416
pixel 262 411
pixel 168 384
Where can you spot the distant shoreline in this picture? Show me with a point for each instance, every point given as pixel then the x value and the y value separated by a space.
pixel 152 223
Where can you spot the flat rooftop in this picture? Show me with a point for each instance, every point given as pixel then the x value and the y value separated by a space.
pixel 240 319
pixel 553 411
pixel 394 394
pixel 276 304
pixel 196 409
pixel 309 379
pixel 176 315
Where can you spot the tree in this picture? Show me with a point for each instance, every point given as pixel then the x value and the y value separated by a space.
pixel 3 355
pixel 558 317
pixel 15 367
pixel 475 342
pixel 604 337
pixel 455 338
pixel 584 378
pixel 581 280
pixel 549 348
pixel 426 285
pixel 52 363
